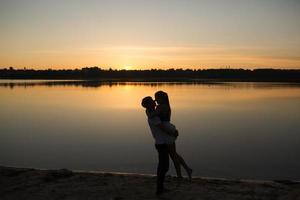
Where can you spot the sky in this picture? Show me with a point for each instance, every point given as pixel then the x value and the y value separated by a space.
pixel 143 34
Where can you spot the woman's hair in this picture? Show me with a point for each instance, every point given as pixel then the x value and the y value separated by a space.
pixel 163 96
pixel 165 111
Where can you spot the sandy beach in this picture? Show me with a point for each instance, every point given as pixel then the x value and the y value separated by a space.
pixel 26 183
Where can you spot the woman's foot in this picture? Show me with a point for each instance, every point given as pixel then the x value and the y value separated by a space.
pixel 189 172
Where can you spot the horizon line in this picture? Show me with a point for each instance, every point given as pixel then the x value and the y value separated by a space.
pixel 143 69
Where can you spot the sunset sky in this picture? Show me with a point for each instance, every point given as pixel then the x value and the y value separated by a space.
pixel 141 34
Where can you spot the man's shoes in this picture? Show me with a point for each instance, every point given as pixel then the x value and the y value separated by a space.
pixel 166 190
pixel 162 191
pixel 159 192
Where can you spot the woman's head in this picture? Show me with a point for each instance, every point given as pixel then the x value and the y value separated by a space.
pixel 161 97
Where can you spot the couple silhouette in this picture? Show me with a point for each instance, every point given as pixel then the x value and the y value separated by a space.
pixel 158 113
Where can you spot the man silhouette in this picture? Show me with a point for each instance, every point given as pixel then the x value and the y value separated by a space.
pixel 160 134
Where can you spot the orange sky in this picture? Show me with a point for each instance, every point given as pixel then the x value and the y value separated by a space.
pixel 139 34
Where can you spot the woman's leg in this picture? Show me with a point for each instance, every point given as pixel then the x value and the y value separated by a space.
pixel 176 161
pixel 185 166
pixel 182 162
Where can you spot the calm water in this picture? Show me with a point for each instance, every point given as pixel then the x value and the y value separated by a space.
pixel 236 130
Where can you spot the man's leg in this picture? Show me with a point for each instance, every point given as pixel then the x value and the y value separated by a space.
pixel 163 166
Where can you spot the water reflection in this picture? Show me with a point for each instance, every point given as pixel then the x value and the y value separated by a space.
pixel 241 130
pixel 96 83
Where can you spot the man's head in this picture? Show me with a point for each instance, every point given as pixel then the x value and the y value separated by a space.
pixel 148 103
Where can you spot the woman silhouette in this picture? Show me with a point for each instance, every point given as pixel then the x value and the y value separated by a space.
pixel 163 110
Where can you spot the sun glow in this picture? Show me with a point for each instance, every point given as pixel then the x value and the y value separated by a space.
pixel 75 35
pixel 128 67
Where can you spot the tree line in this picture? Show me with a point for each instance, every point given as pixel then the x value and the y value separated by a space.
pixel 96 73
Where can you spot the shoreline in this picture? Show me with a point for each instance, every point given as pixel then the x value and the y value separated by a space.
pixel 31 183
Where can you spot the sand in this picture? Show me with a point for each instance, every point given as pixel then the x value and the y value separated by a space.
pixel 25 183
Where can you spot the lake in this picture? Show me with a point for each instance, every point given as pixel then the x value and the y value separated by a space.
pixel 231 130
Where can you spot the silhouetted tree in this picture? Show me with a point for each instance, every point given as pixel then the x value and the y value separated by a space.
pixel 224 74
